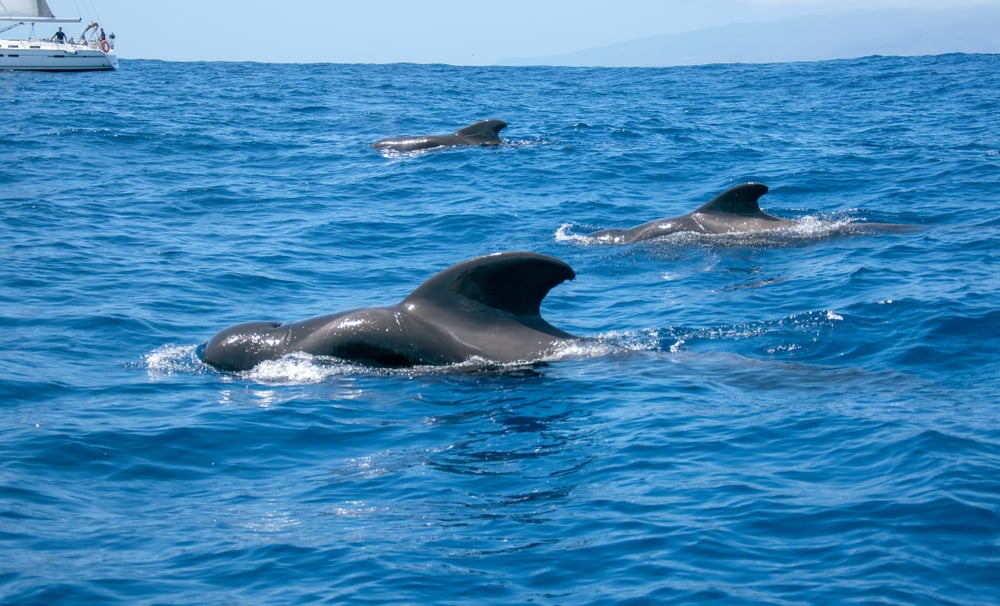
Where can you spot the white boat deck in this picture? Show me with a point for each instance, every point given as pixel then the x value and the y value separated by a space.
pixel 53 56
pixel 93 51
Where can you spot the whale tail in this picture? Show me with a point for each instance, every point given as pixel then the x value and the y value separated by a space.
pixel 737 200
pixel 487 130
pixel 512 283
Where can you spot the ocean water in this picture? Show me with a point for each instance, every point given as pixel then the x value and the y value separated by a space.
pixel 809 417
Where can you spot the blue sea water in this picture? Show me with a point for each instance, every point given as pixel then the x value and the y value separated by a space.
pixel 806 418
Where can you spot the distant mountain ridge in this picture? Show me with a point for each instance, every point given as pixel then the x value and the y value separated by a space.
pixel 901 32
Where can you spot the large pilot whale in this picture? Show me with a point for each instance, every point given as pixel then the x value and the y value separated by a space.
pixel 480 133
pixel 487 307
pixel 735 210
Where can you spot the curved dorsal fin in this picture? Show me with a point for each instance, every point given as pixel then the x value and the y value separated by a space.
pixel 511 282
pixel 488 129
pixel 737 200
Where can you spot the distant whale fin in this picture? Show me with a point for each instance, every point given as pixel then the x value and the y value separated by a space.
pixel 487 129
pixel 511 282
pixel 737 200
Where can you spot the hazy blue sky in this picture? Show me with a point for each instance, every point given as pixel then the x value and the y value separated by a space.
pixel 462 32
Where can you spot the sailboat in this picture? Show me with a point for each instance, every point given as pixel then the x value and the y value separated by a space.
pixel 58 53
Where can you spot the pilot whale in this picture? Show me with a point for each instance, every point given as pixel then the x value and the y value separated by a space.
pixel 480 133
pixel 487 307
pixel 735 210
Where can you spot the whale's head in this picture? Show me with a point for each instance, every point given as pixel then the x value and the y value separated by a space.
pixel 245 345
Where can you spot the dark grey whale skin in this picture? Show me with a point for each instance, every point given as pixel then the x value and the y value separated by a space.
pixel 735 210
pixel 480 133
pixel 487 307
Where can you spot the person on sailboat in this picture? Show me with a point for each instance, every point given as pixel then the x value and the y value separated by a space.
pixel 102 40
pixel 59 37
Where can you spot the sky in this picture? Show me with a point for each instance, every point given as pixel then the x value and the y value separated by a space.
pixel 458 32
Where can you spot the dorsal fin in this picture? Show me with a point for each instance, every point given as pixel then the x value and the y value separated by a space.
pixel 511 282
pixel 488 129
pixel 737 200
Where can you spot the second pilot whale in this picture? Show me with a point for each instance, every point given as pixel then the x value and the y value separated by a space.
pixel 734 211
pixel 485 133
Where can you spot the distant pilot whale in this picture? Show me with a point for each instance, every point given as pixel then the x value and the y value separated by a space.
pixel 735 210
pixel 480 133
pixel 487 307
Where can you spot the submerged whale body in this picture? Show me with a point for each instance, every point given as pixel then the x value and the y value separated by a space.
pixel 735 210
pixel 480 133
pixel 487 307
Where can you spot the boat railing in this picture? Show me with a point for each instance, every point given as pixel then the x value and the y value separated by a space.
pixel 94 44
pixel 106 45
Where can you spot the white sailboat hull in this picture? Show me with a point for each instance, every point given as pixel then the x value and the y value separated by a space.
pixel 42 55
